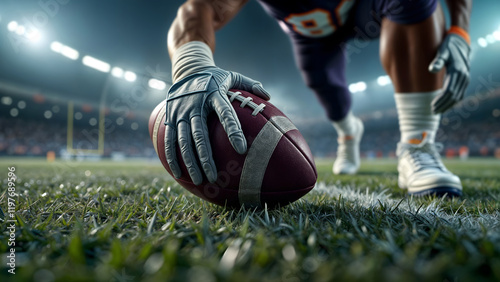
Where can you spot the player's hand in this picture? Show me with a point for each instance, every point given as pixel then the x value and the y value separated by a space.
pixel 189 101
pixel 454 54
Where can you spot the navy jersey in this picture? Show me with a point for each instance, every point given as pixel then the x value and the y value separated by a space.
pixel 322 18
pixel 319 30
pixel 313 18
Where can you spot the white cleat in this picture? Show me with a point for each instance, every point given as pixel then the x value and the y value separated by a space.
pixel 347 161
pixel 422 172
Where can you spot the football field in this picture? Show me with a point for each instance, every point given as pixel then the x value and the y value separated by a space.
pixel 129 221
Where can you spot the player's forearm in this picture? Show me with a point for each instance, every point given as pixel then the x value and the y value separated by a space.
pixel 195 21
pixel 460 11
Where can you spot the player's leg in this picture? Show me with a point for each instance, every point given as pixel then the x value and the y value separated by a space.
pixel 322 65
pixel 406 50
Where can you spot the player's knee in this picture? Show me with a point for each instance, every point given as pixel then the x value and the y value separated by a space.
pixel 315 79
pixel 322 82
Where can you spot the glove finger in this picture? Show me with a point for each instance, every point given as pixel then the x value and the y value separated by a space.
pixel 242 82
pixel 170 153
pixel 202 143
pixel 187 152
pixel 459 86
pixel 440 60
pixel 442 102
pixel 462 88
pixel 448 104
pixel 230 122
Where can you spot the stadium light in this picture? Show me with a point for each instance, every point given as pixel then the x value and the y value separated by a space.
pixel 496 35
pixel 353 88
pixel 130 76
pixel 482 42
pixel 157 84
pixel 490 39
pixel 64 50
pixel 357 87
pixel 70 53
pixel 20 30
pixel 117 72
pixel 361 86
pixel 384 80
pixel 56 46
pixel 33 35
pixel 95 64
pixel 12 26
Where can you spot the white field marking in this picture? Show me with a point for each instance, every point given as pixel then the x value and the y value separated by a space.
pixel 467 223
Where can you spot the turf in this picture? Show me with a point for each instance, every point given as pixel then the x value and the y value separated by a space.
pixel 130 221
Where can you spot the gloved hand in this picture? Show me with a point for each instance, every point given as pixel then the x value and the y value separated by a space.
pixel 189 101
pixel 454 54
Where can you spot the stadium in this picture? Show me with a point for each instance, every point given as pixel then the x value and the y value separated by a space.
pixel 85 197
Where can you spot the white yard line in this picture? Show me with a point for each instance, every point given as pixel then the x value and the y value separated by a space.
pixel 370 199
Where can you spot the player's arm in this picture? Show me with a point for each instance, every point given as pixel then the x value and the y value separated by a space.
pixel 454 54
pixel 197 20
pixel 460 11
pixel 200 87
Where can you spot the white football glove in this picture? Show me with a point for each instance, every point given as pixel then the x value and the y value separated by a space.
pixel 200 88
pixel 454 53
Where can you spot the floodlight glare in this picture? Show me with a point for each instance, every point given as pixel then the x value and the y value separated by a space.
pixel 12 26
pixel 69 52
pixel 20 30
pixel 353 87
pixel 130 76
pixel 117 72
pixel 384 80
pixel 361 86
pixel 56 47
pixel 33 35
pixel 157 84
pixel 490 39
pixel 96 64
pixel 357 87
pixel 496 35
pixel 482 42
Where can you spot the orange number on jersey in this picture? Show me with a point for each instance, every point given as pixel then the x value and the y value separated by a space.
pixel 315 23
pixel 318 22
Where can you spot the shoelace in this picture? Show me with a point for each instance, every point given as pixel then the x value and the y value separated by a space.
pixel 425 155
pixel 342 151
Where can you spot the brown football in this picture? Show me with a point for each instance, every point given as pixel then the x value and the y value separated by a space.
pixel 277 169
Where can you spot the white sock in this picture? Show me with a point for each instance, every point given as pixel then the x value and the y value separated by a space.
pixel 346 126
pixel 416 120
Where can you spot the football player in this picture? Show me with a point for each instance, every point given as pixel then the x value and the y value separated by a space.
pixel 427 63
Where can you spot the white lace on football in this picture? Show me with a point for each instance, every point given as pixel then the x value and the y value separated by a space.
pixel 248 101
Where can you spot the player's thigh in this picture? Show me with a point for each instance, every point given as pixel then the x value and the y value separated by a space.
pixel 321 62
pixel 365 23
pixel 407 12
pixel 407 48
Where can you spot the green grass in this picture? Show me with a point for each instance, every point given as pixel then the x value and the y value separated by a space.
pixel 130 221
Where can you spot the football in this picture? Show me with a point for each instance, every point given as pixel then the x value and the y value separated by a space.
pixel 277 169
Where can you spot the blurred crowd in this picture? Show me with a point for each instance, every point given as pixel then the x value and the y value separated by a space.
pixel 472 138
pixel 30 137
